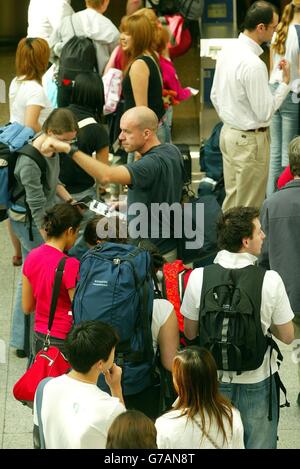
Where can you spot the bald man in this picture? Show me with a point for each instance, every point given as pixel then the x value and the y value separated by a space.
pixel 154 179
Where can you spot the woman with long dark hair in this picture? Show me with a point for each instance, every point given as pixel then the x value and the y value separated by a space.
pixel 87 105
pixel 202 417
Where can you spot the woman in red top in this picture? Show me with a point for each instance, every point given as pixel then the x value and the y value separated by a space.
pixel 61 224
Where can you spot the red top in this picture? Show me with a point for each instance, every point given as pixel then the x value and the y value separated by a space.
pixel 39 268
pixel 285 177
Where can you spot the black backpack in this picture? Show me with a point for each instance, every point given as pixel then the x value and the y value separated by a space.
pixel 77 55
pixel 229 318
pixel 8 196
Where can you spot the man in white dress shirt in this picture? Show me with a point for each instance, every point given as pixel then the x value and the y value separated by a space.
pixel 45 16
pixel 240 239
pixel 244 102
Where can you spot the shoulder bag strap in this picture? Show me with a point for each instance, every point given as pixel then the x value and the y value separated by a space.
pixel 206 434
pixel 55 292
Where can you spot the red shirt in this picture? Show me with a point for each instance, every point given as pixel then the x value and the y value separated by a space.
pixel 285 177
pixel 39 268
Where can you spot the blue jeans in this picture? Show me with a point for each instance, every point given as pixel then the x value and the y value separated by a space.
pixel 18 323
pixel 284 127
pixel 252 400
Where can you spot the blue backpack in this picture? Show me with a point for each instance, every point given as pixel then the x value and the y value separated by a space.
pixel 115 287
pixel 13 142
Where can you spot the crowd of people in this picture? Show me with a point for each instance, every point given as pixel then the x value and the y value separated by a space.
pixel 225 390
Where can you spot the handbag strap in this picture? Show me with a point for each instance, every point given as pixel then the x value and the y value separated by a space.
pixel 55 293
pixel 206 434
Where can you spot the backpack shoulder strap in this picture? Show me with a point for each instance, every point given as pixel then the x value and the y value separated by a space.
pixel 86 121
pixel 38 402
pixel 36 156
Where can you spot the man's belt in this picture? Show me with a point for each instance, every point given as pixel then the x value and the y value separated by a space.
pixel 260 129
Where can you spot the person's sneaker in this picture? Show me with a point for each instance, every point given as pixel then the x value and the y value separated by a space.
pixel 298 399
pixel 21 353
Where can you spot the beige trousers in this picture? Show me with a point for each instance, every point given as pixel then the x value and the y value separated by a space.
pixel 246 158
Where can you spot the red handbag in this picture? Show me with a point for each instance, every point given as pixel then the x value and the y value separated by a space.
pixel 50 361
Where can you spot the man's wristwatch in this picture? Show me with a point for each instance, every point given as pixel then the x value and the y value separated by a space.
pixel 73 149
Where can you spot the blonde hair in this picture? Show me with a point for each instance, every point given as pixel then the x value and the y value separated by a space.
pixel 282 30
pixel 161 34
pixel 32 58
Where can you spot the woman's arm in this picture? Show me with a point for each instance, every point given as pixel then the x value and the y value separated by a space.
pixel 102 155
pixel 32 114
pixel 62 192
pixel 139 77
pixel 168 341
pixel 28 300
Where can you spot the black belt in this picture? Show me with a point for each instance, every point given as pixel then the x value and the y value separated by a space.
pixel 260 129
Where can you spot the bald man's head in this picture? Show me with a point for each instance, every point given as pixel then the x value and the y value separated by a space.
pixel 138 129
pixel 142 117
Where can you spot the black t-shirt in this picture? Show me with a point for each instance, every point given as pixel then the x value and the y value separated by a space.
pixel 90 139
pixel 156 178
pixel 155 101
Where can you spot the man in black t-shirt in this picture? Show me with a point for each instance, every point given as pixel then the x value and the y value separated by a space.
pixel 155 179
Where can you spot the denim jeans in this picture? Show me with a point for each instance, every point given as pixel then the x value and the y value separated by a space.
pixel 18 324
pixel 284 127
pixel 252 400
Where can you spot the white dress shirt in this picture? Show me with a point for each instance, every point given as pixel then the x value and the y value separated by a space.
pixel 275 308
pixel 45 16
pixel 240 91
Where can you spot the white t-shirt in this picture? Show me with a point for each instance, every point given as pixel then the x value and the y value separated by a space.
pixel 179 432
pixel 275 309
pixel 26 93
pixel 76 415
pixel 44 16
pixel 161 312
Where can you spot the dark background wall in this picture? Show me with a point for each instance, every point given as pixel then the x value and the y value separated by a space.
pixel 13 16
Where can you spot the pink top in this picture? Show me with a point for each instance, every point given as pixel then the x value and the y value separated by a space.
pixel 285 177
pixel 171 81
pixel 39 268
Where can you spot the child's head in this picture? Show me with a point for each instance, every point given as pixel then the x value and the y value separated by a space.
pixel 132 430
pixel 114 229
